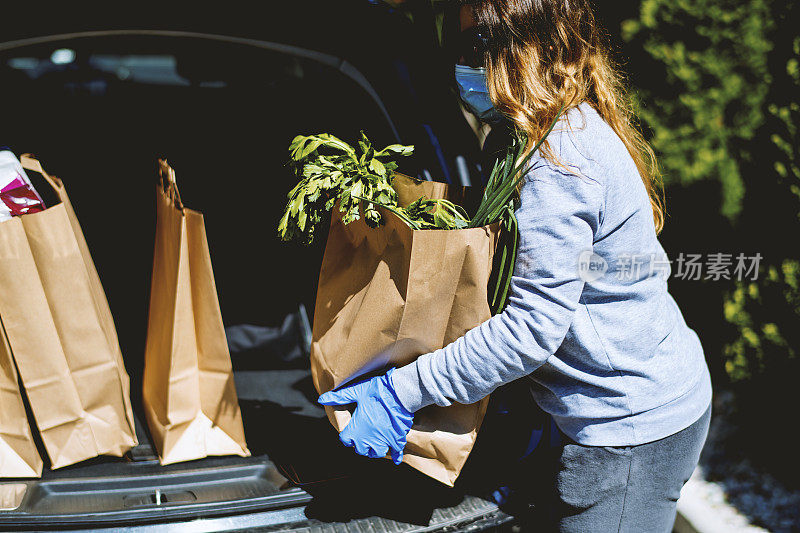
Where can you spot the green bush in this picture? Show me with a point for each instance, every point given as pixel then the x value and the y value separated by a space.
pixel 768 312
pixel 713 55
pixel 718 86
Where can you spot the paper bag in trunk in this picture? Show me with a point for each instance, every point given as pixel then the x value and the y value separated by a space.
pixel 189 394
pixel 18 455
pixel 390 294
pixel 62 335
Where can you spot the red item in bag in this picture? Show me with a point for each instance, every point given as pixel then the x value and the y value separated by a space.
pixel 21 200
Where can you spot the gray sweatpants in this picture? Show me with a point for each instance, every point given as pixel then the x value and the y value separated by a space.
pixel 625 489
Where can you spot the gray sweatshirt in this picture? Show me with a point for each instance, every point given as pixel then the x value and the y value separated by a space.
pixel 589 317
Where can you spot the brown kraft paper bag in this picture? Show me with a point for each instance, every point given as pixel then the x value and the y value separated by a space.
pixel 189 394
pixel 18 455
pixel 62 335
pixel 390 294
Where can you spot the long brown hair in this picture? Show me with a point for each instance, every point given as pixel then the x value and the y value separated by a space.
pixel 548 55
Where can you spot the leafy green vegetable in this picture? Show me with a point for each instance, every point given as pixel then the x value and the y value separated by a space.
pixel 426 213
pixel 331 170
pixel 437 214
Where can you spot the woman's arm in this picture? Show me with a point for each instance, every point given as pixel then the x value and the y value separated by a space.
pixel 558 217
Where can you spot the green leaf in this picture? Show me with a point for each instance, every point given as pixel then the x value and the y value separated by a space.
pixel 377 167
pixel 396 149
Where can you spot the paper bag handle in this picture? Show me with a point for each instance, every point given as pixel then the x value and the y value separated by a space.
pixel 29 162
pixel 168 182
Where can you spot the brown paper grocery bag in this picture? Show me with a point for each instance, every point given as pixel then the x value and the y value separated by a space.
pixel 189 394
pixel 18 455
pixel 62 335
pixel 390 294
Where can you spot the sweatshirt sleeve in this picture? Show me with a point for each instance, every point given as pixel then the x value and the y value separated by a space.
pixel 558 217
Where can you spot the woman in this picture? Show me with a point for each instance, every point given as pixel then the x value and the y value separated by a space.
pixel 589 317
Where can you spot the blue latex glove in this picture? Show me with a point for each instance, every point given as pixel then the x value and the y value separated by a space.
pixel 379 424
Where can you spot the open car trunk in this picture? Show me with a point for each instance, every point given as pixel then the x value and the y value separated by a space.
pixel 98 113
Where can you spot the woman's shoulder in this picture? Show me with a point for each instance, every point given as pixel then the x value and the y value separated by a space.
pixel 570 152
pixel 585 143
pixel 580 132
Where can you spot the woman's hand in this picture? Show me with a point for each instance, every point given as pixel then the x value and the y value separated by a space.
pixel 379 424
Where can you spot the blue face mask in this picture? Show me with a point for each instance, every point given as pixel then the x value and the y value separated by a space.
pixel 474 92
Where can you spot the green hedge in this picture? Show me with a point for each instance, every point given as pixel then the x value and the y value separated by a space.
pixel 718 86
